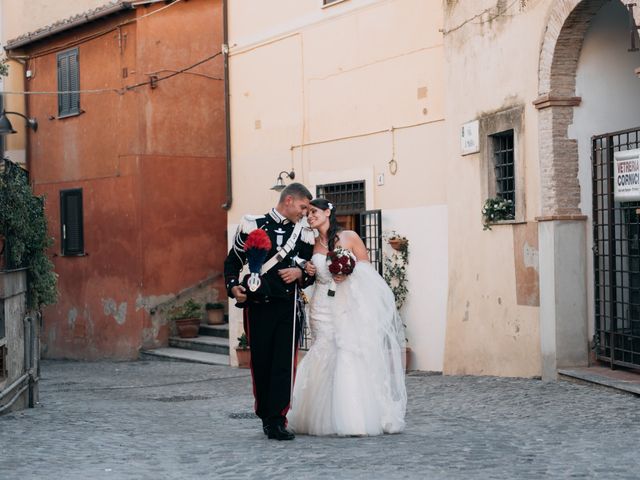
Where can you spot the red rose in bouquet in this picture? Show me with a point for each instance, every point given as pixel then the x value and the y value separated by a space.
pixel 341 262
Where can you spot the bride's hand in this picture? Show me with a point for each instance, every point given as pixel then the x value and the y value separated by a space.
pixel 310 268
pixel 339 278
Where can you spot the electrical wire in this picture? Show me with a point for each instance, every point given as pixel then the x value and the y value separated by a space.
pixel 123 90
pixel 499 13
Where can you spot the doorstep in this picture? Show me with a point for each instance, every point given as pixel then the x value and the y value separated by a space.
pixel 184 355
pixel 621 380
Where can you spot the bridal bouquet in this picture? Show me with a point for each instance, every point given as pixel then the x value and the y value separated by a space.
pixel 341 262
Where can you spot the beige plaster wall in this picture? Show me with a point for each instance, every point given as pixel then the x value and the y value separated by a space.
pixel 336 93
pixel 491 65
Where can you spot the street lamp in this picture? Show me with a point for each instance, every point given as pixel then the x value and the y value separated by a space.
pixel 279 186
pixel 5 125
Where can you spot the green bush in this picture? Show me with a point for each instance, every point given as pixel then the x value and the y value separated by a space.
pixel 24 226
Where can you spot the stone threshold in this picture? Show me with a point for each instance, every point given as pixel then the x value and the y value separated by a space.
pixel 621 380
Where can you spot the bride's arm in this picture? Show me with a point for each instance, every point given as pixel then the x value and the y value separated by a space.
pixel 352 241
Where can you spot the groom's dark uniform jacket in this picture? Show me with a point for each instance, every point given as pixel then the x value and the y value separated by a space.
pixel 268 316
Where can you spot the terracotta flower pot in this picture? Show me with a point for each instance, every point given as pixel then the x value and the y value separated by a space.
pixel 215 316
pixel 398 243
pixel 188 327
pixel 244 357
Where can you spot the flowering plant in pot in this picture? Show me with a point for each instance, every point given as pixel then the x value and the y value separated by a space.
pixel 242 351
pixel 187 318
pixel 495 210
pixel 215 313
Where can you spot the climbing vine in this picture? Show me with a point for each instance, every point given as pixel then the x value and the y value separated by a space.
pixel 24 227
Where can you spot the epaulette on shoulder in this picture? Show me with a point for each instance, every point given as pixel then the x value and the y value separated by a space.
pixel 249 223
pixel 307 236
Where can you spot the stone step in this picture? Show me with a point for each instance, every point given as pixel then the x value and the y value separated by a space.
pixel 202 344
pixel 221 331
pixel 182 355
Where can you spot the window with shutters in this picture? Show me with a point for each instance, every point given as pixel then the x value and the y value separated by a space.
pixel 68 83
pixel 72 233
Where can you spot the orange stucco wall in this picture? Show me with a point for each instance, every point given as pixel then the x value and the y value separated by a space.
pixel 151 163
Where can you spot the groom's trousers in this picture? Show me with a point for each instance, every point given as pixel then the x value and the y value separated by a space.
pixel 269 328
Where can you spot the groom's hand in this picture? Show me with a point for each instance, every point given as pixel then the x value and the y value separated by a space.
pixel 239 293
pixel 310 269
pixel 290 275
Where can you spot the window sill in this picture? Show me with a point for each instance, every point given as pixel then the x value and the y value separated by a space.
pixel 507 222
pixel 72 255
pixel 68 115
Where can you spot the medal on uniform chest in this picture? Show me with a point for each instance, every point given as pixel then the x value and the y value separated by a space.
pixel 280 236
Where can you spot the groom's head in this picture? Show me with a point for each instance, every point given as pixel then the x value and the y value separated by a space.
pixel 294 201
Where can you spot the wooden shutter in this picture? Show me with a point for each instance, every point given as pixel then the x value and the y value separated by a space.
pixel 68 80
pixel 371 234
pixel 72 228
pixel 74 83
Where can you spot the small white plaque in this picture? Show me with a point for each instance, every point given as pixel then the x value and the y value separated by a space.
pixel 626 176
pixel 470 138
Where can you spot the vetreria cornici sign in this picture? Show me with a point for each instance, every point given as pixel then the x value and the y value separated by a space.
pixel 626 171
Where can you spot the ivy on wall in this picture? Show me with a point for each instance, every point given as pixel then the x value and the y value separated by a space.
pixel 24 227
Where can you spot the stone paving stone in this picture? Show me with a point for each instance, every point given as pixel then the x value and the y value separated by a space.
pixel 171 420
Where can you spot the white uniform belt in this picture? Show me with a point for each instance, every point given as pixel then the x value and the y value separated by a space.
pixel 284 251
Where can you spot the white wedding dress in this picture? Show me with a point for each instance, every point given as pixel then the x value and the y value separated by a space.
pixel 351 381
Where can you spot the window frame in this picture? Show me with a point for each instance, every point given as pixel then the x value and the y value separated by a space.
pixel 64 248
pixel 490 126
pixel 67 74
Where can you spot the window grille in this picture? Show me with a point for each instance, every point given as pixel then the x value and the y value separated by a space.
pixel 68 81
pixel 347 197
pixel 371 234
pixel 72 227
pixel 503 155
pixel 616 256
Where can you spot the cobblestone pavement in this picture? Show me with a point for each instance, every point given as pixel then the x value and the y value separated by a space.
pixel 164 420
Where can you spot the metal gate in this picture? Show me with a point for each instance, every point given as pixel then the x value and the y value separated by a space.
pixel 616 257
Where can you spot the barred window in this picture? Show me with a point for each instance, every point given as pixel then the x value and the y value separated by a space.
pixel 504 165
pixel 348 197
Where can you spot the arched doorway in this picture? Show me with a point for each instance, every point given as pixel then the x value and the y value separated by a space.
pixel 566 273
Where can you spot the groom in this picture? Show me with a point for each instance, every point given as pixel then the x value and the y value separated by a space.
pixel 269 311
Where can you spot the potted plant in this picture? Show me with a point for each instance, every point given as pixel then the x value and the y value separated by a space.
pixel 242 351
pixel 495 210
pixel 215 313
pixel 187 318
pixel 395 274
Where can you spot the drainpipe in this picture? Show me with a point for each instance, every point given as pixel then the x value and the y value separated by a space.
pixel 227 116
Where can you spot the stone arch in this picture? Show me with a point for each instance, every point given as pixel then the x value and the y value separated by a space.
pixel 567 24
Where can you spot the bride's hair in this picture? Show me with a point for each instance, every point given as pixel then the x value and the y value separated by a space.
pixel 334 228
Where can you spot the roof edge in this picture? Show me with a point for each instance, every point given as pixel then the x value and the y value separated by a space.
pixel 67 24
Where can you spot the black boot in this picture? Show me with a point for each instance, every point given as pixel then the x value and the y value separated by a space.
pixel 278 432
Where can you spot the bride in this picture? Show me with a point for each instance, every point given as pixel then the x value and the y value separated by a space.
pixel 351 382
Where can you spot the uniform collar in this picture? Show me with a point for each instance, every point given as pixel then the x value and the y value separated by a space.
pixel 278 217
